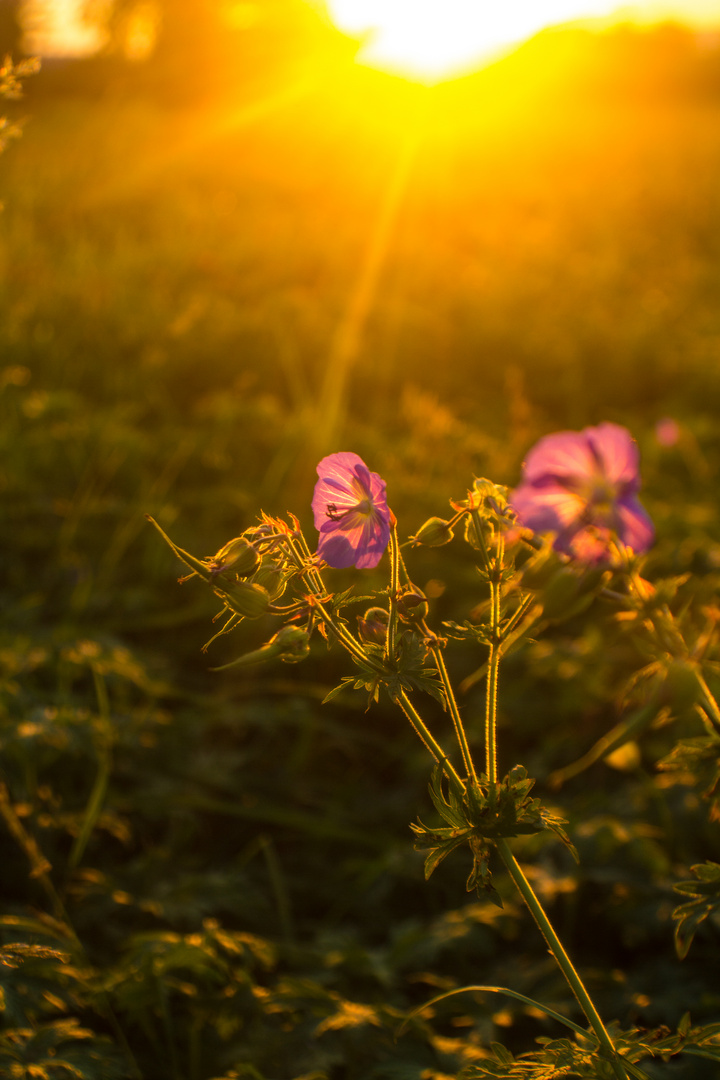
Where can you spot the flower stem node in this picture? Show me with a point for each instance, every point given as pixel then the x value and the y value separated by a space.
pixel 434 533
pixel 237 555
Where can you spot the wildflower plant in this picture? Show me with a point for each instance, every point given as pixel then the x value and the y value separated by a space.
pixel 572 534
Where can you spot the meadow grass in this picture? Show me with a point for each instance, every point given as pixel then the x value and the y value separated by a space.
pixel 180 288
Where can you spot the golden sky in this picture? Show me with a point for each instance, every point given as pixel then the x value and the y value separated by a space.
pixel 417 38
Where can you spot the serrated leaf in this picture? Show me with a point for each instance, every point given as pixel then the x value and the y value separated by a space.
pixel 435 857
pixel 344 685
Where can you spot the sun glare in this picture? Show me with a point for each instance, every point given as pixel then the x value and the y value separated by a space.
pixel 429 40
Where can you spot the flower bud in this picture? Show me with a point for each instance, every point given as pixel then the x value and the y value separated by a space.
pixel 434 533
pixel 292 643
pixel 372 626
pixel 270 577
pixel 237 555
pixel 249 600
pixel 412 605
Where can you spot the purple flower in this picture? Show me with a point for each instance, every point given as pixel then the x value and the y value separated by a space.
pixel 582 485
pixel 667 431
pixel 351 512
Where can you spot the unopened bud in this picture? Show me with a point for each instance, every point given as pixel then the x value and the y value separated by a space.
pixel 237 555
pixel 270 577
pixel 372 626
pixel 292 643
pixel 434 533
pixel 249 600
pixel 412 605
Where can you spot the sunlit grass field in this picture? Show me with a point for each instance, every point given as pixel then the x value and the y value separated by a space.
pixel 197 304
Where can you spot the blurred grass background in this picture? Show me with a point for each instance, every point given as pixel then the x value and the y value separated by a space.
pixel 217 265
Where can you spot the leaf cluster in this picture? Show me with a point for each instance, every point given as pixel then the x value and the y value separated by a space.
pixel 705 892
pixel 581 1058
pixel 479 814
pixel 407 671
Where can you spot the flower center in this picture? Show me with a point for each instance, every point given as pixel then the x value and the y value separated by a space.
pixel 600 495
pixel 364 508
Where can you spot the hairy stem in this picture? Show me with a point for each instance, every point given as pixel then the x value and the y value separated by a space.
pixel 491 695
pixel 710 704
pixel 391 641
pixel 427 739
pixel 563 960
pixel 454 712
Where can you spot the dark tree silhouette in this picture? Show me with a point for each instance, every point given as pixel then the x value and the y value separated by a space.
pixel 10 29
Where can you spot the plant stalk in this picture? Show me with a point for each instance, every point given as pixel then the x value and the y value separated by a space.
pixel 391 641
pixel 561 957
pixel 454 712
pixel 427 739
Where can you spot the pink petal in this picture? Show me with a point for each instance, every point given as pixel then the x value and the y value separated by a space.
pixel 564 454
pixel 588 545
pixel 334 487
pixel 617 453
pixel 546 508
pixel 635 528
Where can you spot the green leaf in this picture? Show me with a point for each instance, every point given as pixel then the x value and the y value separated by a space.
pixel 706 892
pixel 442 851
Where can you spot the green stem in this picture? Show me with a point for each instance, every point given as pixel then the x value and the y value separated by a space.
pixel 104 742
pixel 491 695
pixel 454 712
pixel 427 739
pixel 563 960
pixel 492 566
pixel 391 641
pixel 300 551
pixel 347 640
pixel 516 617
pixel 711 705
pixel 481 539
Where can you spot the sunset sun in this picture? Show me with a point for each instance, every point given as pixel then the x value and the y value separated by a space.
pixel 434 39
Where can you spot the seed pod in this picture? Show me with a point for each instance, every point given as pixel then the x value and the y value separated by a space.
pixel 412 605
pixel 237 555
pixel 434 533
pixel 292 642
pixel 372 626
pixel 246 599
pixel 270 577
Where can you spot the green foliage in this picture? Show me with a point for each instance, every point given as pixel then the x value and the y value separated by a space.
pixel 705 893
pixel 62 1050
pixel 233 858
pixel 561 1057
pixel 481 813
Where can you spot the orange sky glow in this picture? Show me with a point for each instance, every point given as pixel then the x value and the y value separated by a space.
pixel 423 40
